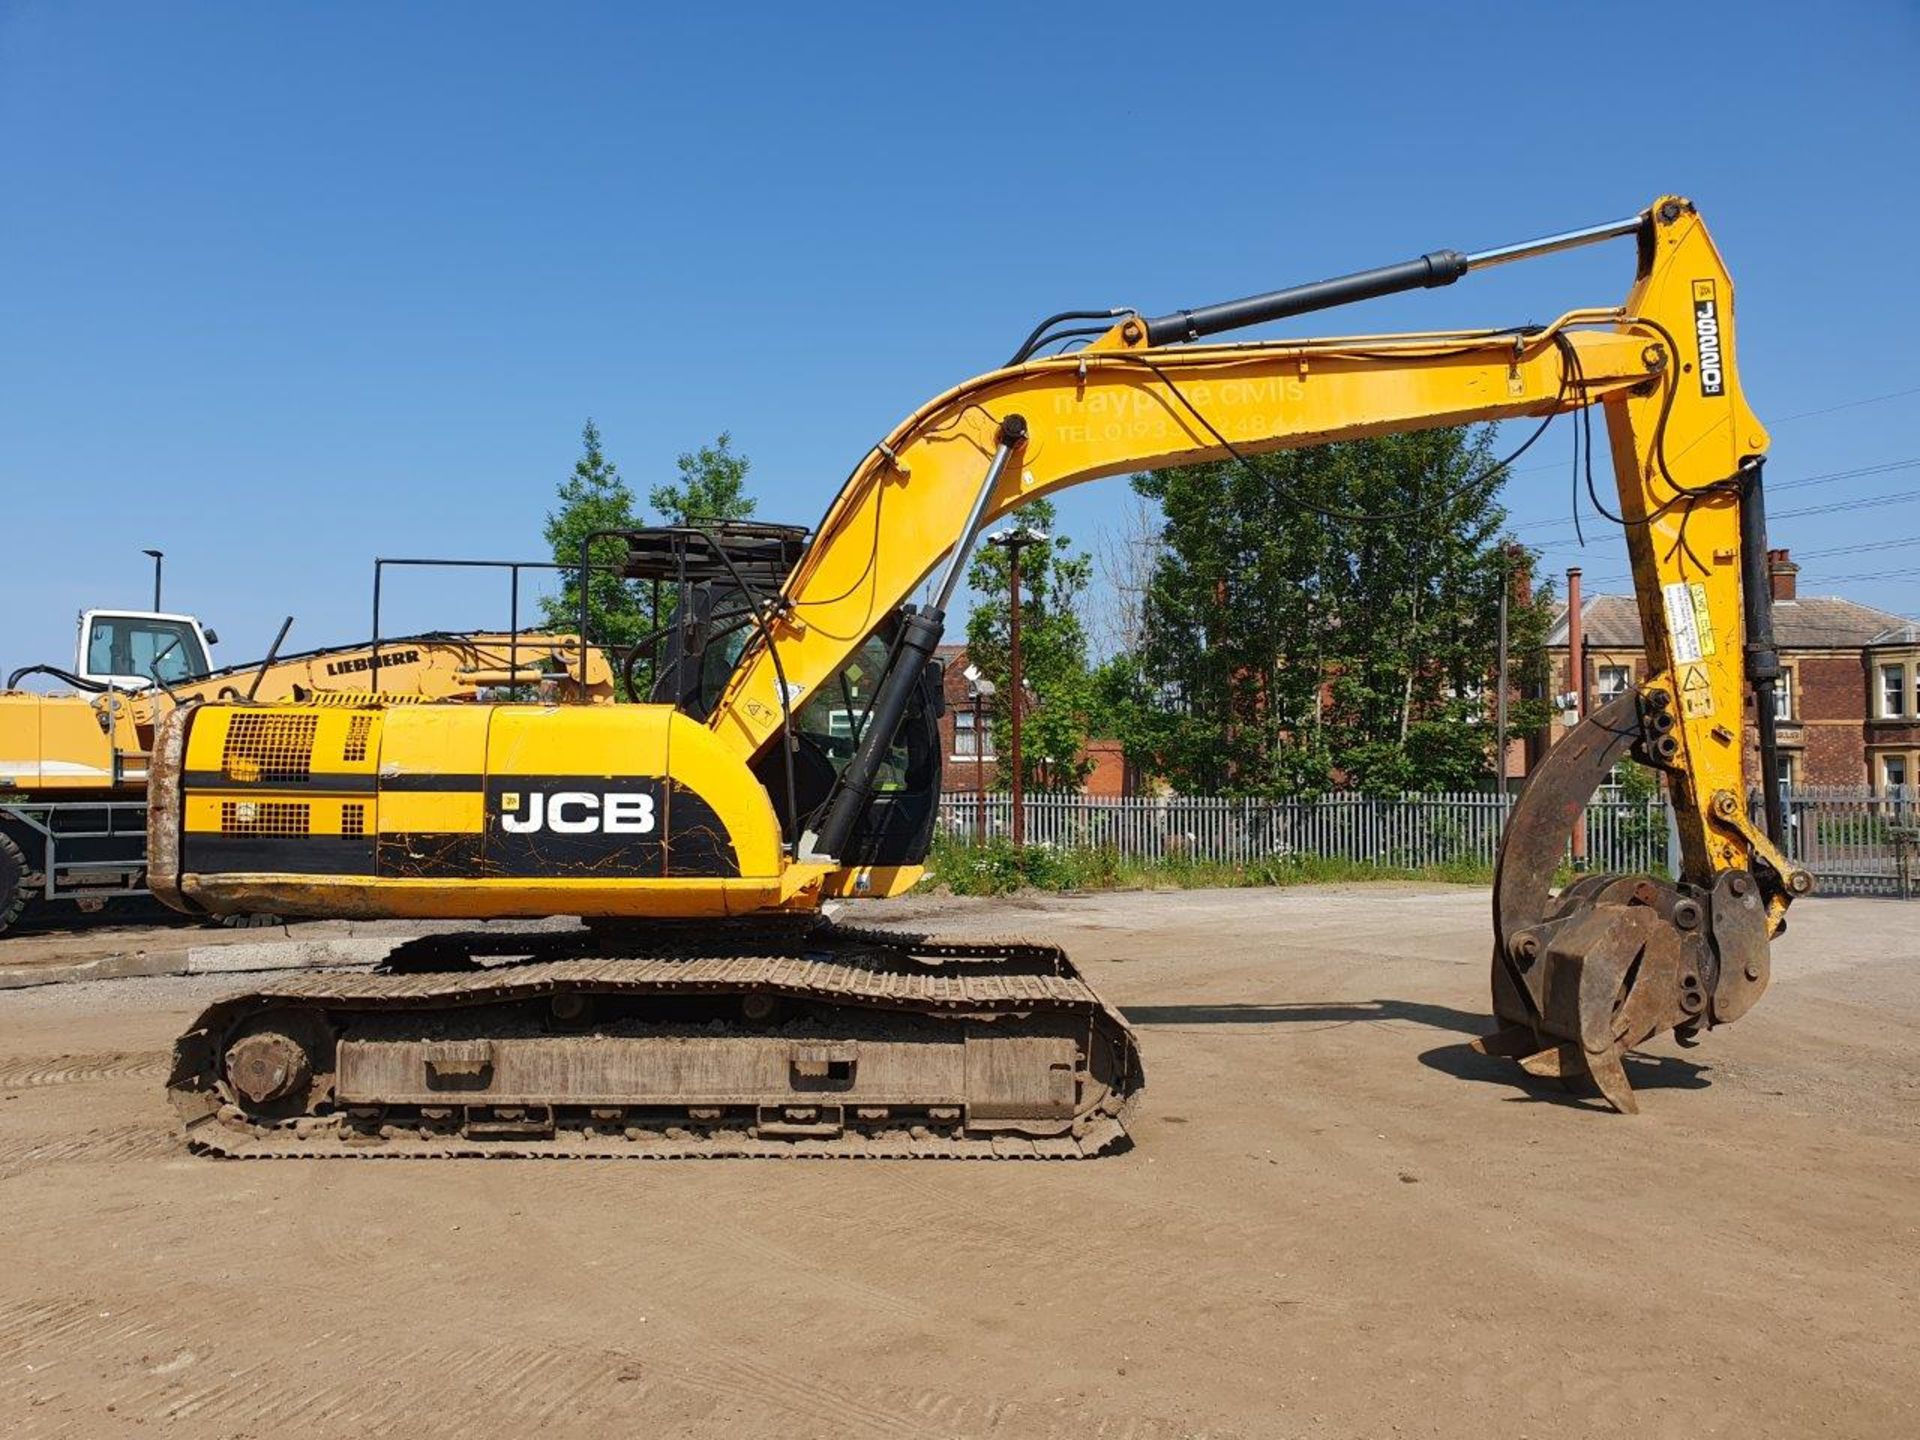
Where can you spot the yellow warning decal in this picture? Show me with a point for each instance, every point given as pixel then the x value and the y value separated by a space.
pixel 1696 693
pixel 1703 618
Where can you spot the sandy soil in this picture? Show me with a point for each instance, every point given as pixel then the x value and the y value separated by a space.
pixel 1336 1222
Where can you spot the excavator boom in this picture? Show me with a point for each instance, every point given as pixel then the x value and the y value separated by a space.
pixel 659 821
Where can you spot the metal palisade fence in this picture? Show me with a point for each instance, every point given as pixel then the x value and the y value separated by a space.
pixel 1857 842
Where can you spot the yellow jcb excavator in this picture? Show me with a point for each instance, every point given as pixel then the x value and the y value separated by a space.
pixel 73 766
pixel 704 1009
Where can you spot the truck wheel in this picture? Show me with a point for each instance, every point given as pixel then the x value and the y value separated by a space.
pixel 13 886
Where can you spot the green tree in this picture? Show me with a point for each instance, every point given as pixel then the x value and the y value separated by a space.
pixel 1288 651
pixel 1232 618
pixel 594 497
pixel 1053 653
pixel 1415 606
pixel 711 487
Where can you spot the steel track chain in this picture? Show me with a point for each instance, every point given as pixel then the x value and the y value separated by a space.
pixel 874 970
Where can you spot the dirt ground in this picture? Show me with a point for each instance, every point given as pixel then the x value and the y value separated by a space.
pixel 1335 1222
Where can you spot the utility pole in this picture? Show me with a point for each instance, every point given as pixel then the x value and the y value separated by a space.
pixel 1577 679
pixel 1017 693
pixel 1013 542
pixel 1500 682
pixel 157 558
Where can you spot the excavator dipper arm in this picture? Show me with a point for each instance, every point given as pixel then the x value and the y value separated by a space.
pixel 1579 977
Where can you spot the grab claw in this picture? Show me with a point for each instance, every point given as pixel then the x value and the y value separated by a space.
pixel 1582 977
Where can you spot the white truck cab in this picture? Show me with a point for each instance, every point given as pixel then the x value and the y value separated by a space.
pixel 137 649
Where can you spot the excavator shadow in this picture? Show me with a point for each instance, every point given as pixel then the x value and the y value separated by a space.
pixel 1461 1061
pixel 1332 1012
pixel 1645 1072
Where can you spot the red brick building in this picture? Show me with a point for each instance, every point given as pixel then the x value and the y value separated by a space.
pixel 968 759
pixel 1848 704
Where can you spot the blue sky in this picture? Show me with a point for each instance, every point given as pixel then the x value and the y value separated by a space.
pixel 285 287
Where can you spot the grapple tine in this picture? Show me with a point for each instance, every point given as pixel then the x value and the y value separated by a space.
pixel 1611 1076
pixel 1512 1041
pixel 1556 1062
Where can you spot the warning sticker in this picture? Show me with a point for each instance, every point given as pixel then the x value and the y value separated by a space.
pixel 1683 624
pixel 1696 694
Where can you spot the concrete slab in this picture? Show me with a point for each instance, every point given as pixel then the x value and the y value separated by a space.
pixel 317 953
pixel 104 967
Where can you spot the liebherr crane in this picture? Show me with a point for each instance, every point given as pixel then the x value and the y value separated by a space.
pixel 73 767
pixel 705 1009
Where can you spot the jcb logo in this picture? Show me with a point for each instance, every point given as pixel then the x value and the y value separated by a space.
pixel 577 812
pixel 1706 333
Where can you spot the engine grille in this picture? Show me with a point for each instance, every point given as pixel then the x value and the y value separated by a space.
pixel 359 727
pixel 268 748
pixel 264 817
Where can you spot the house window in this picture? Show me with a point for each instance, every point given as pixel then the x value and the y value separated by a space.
pixel 1613 681
pixel 970 743
pixel 1473 693
pixel 1893 772
pixel 1893 691
pixel 1783 695
pixel 1789 768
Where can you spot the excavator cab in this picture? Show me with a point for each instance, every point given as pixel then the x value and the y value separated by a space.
pixel 717 585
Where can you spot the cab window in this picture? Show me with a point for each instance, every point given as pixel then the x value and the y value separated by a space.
pixel 137 647
pixel 716 664
pixel 836 715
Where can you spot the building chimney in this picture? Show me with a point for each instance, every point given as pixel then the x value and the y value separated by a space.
pixel 1576 645
pixel 1783 573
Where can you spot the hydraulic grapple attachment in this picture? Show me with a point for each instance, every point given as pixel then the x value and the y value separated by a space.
pixel 1613 960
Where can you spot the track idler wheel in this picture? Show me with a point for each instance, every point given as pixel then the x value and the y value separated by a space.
pixel 268 1066
pixel 1612 961
pixel 279 1062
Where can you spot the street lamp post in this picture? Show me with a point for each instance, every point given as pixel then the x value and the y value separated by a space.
pixel 982 689
pixel 157 558
pixel 1013 542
